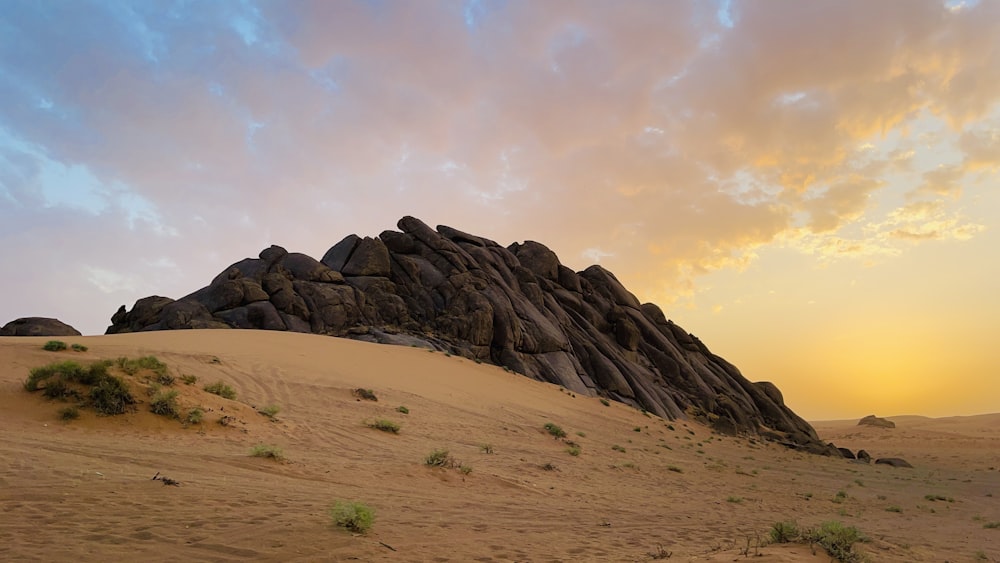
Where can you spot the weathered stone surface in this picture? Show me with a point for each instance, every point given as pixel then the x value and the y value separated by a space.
pixel 872 420
pixel 37 326
pixel 864 456
pixel 848 453
pixel 516 306
pixel 893 461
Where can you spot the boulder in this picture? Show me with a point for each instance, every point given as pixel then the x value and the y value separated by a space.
pixel 893 461
pixel 37 326
pixel 847 453
pixel 513 306
pixel 872 420
pixel 864 456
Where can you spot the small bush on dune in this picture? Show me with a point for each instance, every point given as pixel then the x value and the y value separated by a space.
pixel 79 348
pixel 366 394
pixel 555 430
pixel 54 346
pixel 573 451
pixel 111 396
pixel 64 370
pixel 384 425
pixel 486 448
pixel 189 379
pixel 270 411
pixel 403 410
pixel 195 415
pixel 439 458
pixel 164 403
pixel 606 402
pixel 784 532
pixel 354 516
pixel 69 413
pixel 265 451
pixel 221 389
pixel 838 540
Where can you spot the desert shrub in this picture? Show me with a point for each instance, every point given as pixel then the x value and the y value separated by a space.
pixel 637 429
pixel 549 467
pixel 606 402
pixel 573 450
pixel 992 525
pixel 164 403
pixel 618 448
pixel 838 540
pixel 366 394
pixel 402 409
pixel 384 425
pixel 111 396
pixel 54 346
pixel 354 516
pixel 189 379
pixel 784 532
pixel 465 469
pixel 933 498
pixel 42 373
pixel 69 413
pixel 78 347
pixel 893 509
pixel 221 389
pixel 195 415
pixel 486 448
pixel 439 458
pixel 270 411
pixel 675 469
pixel 266 451
pixel 734 500
pixel 839 497
pixel 164 379
pixel 555 430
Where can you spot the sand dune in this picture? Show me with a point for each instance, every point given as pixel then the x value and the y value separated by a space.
pixel 82 490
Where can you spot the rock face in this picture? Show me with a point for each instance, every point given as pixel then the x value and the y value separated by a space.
pixel 516 307
pixel 38 326
pixel 872 420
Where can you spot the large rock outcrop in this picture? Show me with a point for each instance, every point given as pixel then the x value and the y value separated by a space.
pixel 516 307
pixel 872 420
pixel 37 326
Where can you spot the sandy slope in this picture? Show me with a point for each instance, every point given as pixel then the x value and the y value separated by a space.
pixel 82 490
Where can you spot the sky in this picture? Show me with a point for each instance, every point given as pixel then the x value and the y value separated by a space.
pixel 809 187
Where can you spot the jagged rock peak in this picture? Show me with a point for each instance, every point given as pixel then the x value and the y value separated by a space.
pixel 514 306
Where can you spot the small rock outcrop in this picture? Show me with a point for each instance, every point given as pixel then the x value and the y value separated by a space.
pixel 893 461
pixel 848 454
pixel 864 456
pixel 37 326
pixel 514 306
pixel 872 420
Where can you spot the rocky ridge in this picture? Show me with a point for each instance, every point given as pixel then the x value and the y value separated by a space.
pixel 514 306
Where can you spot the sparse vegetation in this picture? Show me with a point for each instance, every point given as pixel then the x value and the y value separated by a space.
pixel 402 409
pixel 637 429
pixel 465 469
pixel 549 467
pixel 838 540
pixel 111 396
pixel 486 448
pixel 675 469
pixel 439 458
pixel 54 346
pixel 573 450
pixel 189 379
pixel 78 347
pixel 784 532
pixel 270 411
pixel 69 413
pixel 555 430
pixel 354 516
pixel 618 448
pixel 164 403
pixel 992 525
pixel 933 498
pixel 893 509
pixel 734 500
pixel 606 402
pixel 366 394
pixel 221 389
pixel 384 425
pixel 195 415
pixel 266 451
pixel 581 434
pixel 839 497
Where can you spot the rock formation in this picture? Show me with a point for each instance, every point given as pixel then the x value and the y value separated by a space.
pixel 894 462
pixel 872 420
pixel 517 307
pixel 38 326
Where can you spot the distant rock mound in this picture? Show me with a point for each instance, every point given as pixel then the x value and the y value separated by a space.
pixel 37 326
pixel 894 462
pixel 514 306
pixel 872 420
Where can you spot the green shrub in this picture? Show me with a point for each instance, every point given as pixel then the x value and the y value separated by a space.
pixel 221 389
pixel 366 394
pixel 111 396
pixel 270 411
pixel 265 451
pixel 64 370
pixel 164 403
pixel 439 458
pixel 195 415
pixel 69 413
pixel 784 532
pixel 554 430
pixel 573 450
pixel 402 409
pixel 384 425
pixel 79 348
pixel 465 469
pixel 618 448
pixel 54 346
pixel 893 509
pixel 189 379
pixel 734 500
pixel 606 402
pixel 675 469
pixel 992 525
pixel 838 540
pixel 59 389
pixel 486 448
pixel 354 516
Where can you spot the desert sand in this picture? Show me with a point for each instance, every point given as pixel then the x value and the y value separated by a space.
pixel 82 490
